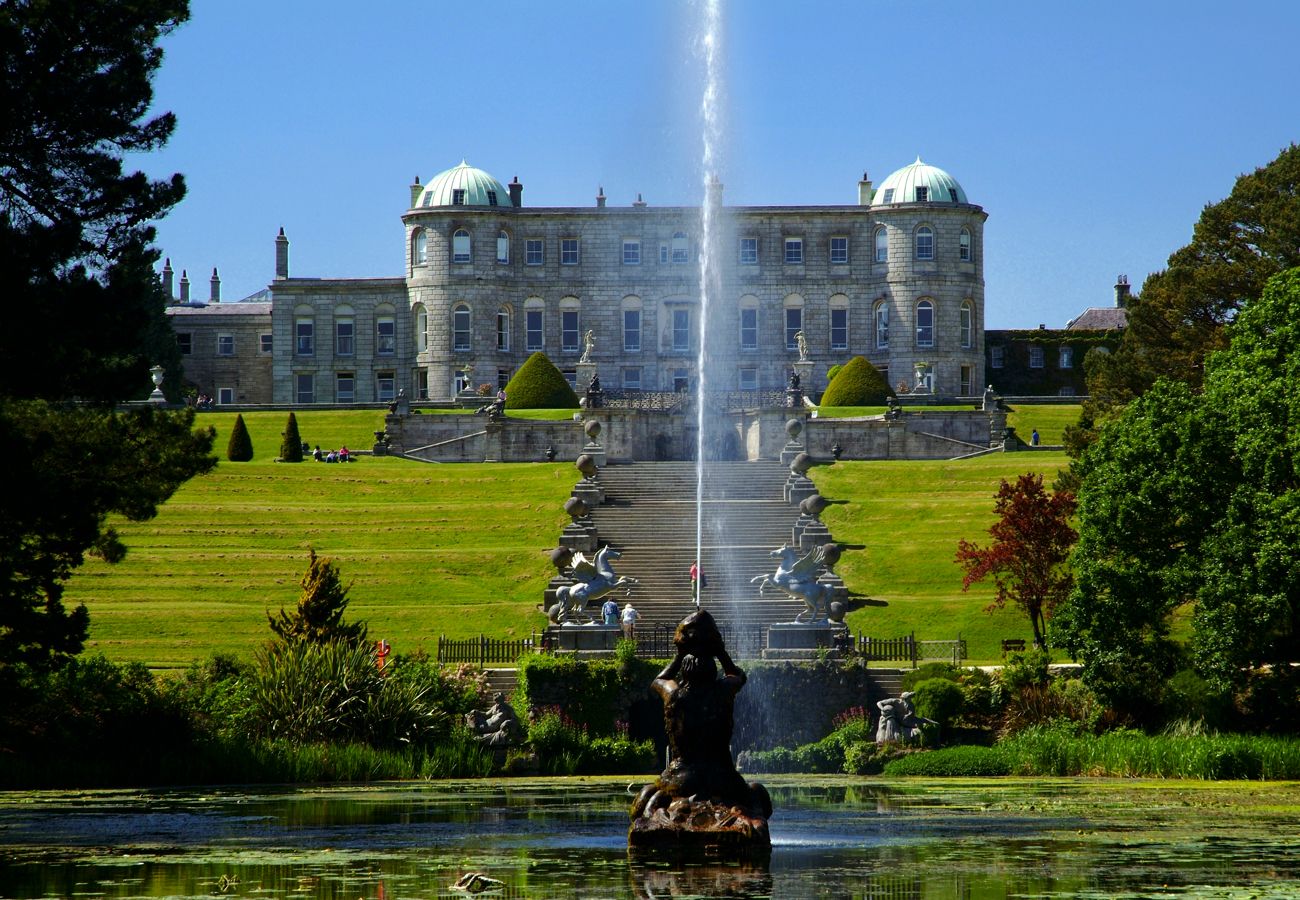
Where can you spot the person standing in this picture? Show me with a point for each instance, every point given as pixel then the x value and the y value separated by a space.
pixel 630 617
pixel 609 612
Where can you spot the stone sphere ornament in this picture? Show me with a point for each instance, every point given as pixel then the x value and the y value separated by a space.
pixel 813 505
pixel 837 611
pixel 575 507
pixel 586 464
pixel 592 428
pixel 801 464
pixel 793 427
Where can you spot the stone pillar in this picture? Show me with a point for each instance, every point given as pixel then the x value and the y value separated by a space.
pixel 281 256
pixel 167 275
pixel 516 192
pixel 804 367
pixel 214 287
pixel 185 287
pixel 416 190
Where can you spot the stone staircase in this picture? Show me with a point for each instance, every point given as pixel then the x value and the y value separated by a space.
pixel 649 515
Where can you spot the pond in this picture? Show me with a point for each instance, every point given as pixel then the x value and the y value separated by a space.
pixel 832 837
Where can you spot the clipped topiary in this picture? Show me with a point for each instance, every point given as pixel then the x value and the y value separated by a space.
pixel 938 699
pixel 857 383
pixel 240 448
pixel 539 385
pixel 291 446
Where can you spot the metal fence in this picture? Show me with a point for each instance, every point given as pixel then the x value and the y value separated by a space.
pixel 909 649
pixel 483 650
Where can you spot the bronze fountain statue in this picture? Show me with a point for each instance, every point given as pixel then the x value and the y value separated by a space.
pixel 700 804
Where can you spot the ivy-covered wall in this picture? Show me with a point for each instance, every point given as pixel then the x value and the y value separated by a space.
pixel 1017 377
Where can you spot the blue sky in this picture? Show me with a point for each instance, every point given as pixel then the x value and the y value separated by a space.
pixel 1092 133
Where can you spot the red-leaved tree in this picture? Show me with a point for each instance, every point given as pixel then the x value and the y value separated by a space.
pixel 1032 539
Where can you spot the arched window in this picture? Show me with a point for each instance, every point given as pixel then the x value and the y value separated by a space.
pixel 421 328
pixel 570 325
pixel 304 331
pixel 839 322
pixel 385 331
pixel 503 328
pixel 460 246
pixel 882 325
pixel 503 247
pixel 882 245
pixel 793 320
pixel 963 245
pixel 460 333
pixel 345 332
pixel 420 247
pixel 925 242
pixel 680 247
pixel 534 309
pixel 631 324
pixel 749 322
pixel 967 332
pixel 925 324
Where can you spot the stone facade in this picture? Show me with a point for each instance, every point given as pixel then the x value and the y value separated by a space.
pixel 488 281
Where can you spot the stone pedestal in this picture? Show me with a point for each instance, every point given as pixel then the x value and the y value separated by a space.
pixel 583 638
pixel 814 533
pixel 596 452
pixel 590 493
pixel 804 368
pixel 492 446
pixel 796 640
pixel 790 451
pixel 797 488
pixel 580 535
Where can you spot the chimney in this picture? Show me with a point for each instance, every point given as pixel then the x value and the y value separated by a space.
pixel 416 190
pixel 1121 291
pixel 714 192
pixel 516 192
pixel 185 287
pixel 600 197
pixel 214 294
pixel 865 193
pixel 1042 326
pixel 281 256
pixel 167 275
pixel 639 203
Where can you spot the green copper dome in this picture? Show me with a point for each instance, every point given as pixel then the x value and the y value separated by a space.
pixel 464 185
pixel 919 183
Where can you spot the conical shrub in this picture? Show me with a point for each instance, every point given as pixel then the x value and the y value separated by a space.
pixel 240 447
pixel 857 383
pixel 539 385
pixel 291 446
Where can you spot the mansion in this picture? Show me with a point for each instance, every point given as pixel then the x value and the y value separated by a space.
pixel 897 277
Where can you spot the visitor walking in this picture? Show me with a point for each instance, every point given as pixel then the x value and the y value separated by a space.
pixel 698 581
pixel 630 617
pixel 609 612
pixel 1033 438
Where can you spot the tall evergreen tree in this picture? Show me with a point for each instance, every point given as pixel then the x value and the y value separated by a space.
pixel 240 446
pixel 291 442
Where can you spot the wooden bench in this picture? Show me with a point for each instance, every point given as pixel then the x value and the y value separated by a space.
pixel 1012 645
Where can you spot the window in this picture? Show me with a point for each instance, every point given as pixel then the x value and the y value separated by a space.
pixel 267 343
pixel 967 332
pixel 1035 357
pixel 385 387
pixel 571 376
pixel 458 197
pixel 925 242
pixel 681 330
pixel 963 245
pixel 344 337
pixel 503 329
pixel 1066 391
pixel 889 196
pixel 632 330
pixel 663 254
pixel 922 193
pixel 503 378
pixel 421 329
pixel 681 381
pixel 925 324
pixel 185 342
pixel 995 357
pixel 839 328
pixel 533 252
pixel 420 250
pixel 632 378
pixel 533 325
pixel 460 383
pixel 681 249
pixel 749 328
pixel 492 198
pixel 839 251
pixel 460 334
pixel 568 251
pixel 305 342
pixel 422 384
pixel 631 253
pixel 793 251
pixel 793 325
pixel 460 246
pixel 749 378
pixel 385 336
pixel 503 246
pixel 882 325
pixel 225 396
pixel 225 345
pixel 966 380
pixel 305 388
pixel 345 387
pixel 1067 358
pixel 749 251
pixel 569 334
pixel 882 245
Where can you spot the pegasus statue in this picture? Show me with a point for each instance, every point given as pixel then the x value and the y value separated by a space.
pixel 593 579
pixel 797 576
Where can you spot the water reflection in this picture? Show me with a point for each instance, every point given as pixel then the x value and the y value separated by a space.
pixel 555 838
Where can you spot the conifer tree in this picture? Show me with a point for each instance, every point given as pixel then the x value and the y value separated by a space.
pixel 291 446
pixel 240 447
pixel 318 618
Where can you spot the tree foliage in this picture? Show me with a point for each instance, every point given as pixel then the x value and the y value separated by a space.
pixel 857 383
pixel 291 441
pixel 1031 542
pixel 1193 502
pixel 318 618
pixel 539 385
pixel 66 471
pixel 240 446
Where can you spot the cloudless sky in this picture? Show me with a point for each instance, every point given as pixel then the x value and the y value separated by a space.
pixel 1092 132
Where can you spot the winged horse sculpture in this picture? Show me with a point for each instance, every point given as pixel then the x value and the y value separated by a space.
pixel 797 576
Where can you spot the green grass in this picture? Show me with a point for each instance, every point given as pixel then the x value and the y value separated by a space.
pixel 1049 419
pixel 910 516
pixel 460 549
